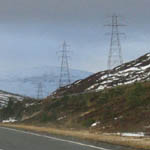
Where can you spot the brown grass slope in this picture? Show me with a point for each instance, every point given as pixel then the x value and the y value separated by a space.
pixel 123 108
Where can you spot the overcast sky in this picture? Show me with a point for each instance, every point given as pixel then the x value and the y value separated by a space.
pixel 31 31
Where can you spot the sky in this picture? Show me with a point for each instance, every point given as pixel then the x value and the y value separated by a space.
pixel 32 31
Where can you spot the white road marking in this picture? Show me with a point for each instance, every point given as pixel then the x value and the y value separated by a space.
pixel 53 138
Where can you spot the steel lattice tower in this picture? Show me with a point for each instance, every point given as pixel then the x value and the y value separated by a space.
pixel 40 91
pixel 64 72
pixel 115 53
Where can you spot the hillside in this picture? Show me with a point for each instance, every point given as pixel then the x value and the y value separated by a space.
pixel 131 72
pixel 124 108
pixel 5 97
pixel 14 106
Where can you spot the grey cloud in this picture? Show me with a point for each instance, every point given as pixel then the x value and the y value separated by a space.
pixel 37 27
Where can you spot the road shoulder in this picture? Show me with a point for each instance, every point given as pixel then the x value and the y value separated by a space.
pixel 134 143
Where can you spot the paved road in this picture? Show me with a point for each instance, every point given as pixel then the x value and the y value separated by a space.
pixel 11 139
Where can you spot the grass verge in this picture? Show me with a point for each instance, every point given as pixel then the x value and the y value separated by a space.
pixel 140 143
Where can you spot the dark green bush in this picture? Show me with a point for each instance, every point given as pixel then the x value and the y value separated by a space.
pixel 88 122
pixel 135 95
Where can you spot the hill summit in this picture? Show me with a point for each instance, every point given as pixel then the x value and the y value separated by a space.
pixel 127 73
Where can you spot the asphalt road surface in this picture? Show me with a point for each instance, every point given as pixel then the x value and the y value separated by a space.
pixel 12 139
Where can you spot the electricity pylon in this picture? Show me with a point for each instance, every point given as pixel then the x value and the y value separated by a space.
pixel 64 72
pixel 115 57
pixel 40 91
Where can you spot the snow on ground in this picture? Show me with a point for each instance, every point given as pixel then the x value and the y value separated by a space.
pixel 5 97
pixel 28 105
pixel 148 55
pixel 137 64
pixel 108 81
pixel 95 124
pixel 131 81
pixel 61 118
pixel 91 87
pixel 9 120
pixel 145 67
pixel 116 76
pixel 78 81
pixel 124 74
pixel 104 77
pixel 128 134
pixel 130 69
pixel 100 87
pixel 139 134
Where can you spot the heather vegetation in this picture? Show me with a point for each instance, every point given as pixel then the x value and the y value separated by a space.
pixel 121 108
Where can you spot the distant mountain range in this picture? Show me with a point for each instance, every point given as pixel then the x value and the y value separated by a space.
pixel 25 82
pixel 127 73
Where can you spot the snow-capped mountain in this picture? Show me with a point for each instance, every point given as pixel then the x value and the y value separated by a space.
pixel 25 82
pixel 127 73
pixel 5 97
